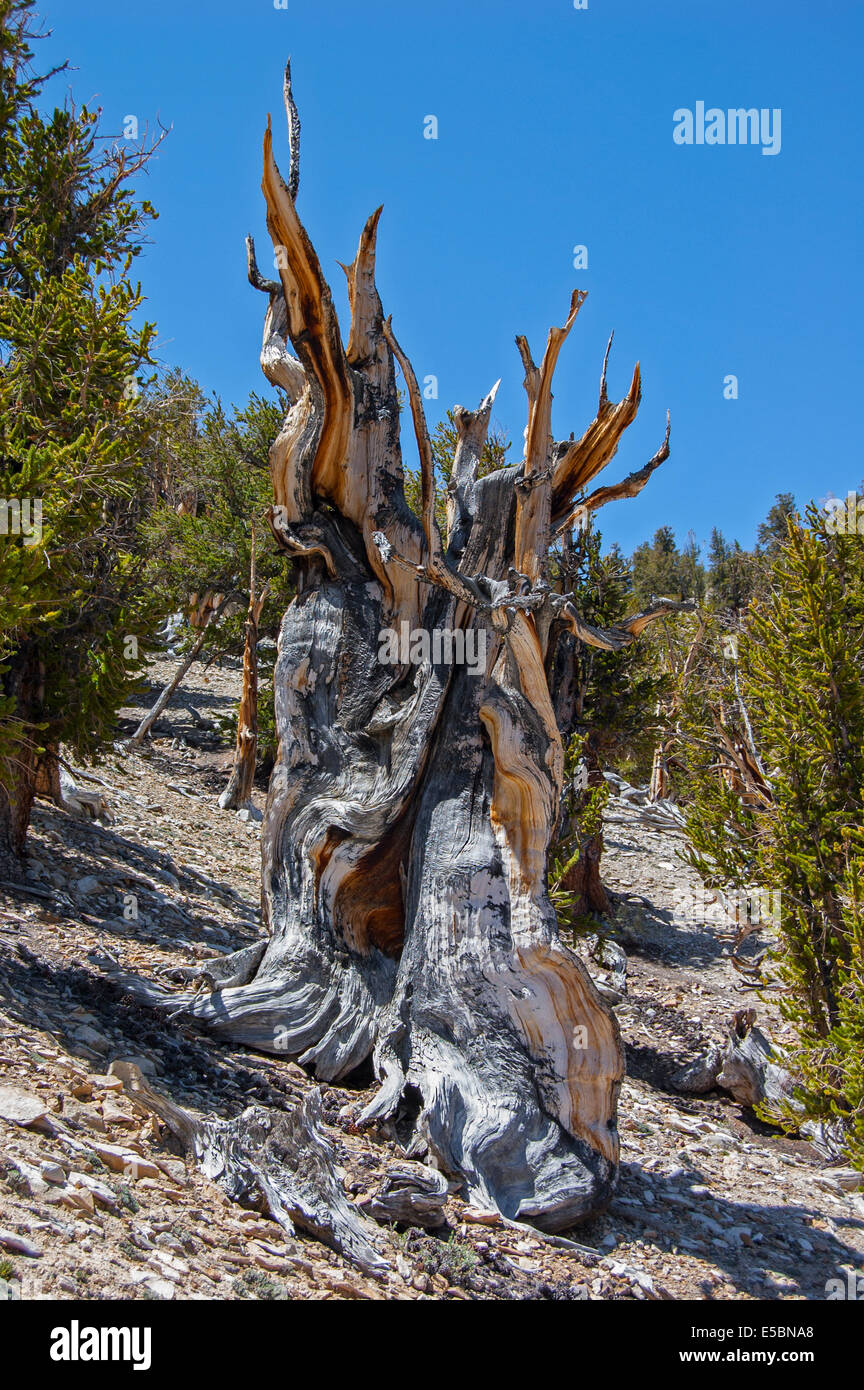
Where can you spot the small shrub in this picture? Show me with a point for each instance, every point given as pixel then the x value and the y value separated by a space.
pixel 127 1198
pixel 256 1284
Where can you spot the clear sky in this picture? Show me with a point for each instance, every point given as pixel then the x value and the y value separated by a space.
pixel 555 130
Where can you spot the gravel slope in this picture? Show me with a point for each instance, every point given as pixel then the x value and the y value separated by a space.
pixel 96 1202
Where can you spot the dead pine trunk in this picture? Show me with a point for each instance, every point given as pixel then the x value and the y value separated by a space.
pixel 22 681
pixel 54 782
pixel 238 793
pixel 659 784
pixel 165 697
pixel 585 883
pixel 409 816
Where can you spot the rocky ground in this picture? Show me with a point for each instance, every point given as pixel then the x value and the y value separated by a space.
pixel 97 1202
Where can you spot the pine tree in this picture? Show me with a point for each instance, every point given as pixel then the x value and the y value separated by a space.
pixel 788 816
pixel 772 533
pixel 691 571
pixel 731 577
pixel 74 608
pixel 660 569
pixel 209 493
pixel 606 701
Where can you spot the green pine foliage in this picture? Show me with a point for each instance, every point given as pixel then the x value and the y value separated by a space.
pixel 799 682
pixel 211 471
pixel 614 702
pixel 773 531
pixel 720 821
pixel 74 609
pixel 731 575
pixel 660 570
pixel 580 823
pixel 617 693
pixel 209 485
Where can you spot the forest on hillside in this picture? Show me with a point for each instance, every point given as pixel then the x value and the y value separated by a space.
pixel 325 966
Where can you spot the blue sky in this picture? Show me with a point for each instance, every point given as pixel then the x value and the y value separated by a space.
pixel 555 129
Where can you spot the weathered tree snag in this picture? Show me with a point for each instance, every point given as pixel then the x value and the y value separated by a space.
pixel 239 790
pixel 747 1065
pixel 751 1070
pixel 55 782
pixel 164 698
pixel 659 784
pixel 411 807
pixel 410 1195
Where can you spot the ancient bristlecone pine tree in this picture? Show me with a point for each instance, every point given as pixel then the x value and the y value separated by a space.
pixel 411 808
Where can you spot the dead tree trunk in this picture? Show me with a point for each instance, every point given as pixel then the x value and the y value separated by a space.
pixel 165 698
pixel 411 807
pixel 54 782
pixel 659 784
pixel 239 790
pixel 21 680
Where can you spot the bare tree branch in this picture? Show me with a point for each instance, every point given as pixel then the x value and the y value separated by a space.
pixel 623 634
pixel 576 462
pixel 313 328
pixel 256 279
pixel 363 296
pixel 293 133
pixel 534 489
pixel 630 486
pixel 471 429
pixel 277 363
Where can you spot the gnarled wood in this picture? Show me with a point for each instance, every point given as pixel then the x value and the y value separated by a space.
pixel 281 1160
pixel 410 811
pixel 238 793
